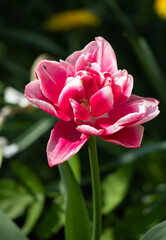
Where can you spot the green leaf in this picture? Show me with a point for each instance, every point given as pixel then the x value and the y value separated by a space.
pixel 75 166
pixel 14 198
pixel 53 219
pixel 77 222
pixel 34 212
pixel 31 181
pixel 114 188
pixel 150 65
pixel 144 215
pixel 107 234
pixel 9 230
pixel 158 232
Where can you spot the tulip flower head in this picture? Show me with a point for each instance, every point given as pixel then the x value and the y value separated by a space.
pixel 91 97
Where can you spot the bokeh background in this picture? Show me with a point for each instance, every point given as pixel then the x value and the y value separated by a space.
pixel 133 181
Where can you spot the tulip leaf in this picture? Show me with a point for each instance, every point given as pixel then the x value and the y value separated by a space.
pixel 14 198
pixel 9 230
pixel 31 181
pixel 75 166
pixel 114 188
pixel 158 232
pixel 77 222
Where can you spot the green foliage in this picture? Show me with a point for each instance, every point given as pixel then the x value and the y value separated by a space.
pixel 156 233
pixel 114 188
pixel 36 188
pixel 77 224
pixel 14 198
pixel 9 230
pixel 53 219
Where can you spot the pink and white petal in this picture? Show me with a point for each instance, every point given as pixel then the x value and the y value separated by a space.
pixel 52 76
pixel 89 130
pixel 72 59
pixel 102 101
pixel 64 142
pixel 79 111
pixel 151 111
pixel 72 90
pixel 106 57
pixel 82 62
pixel 129 137
pixel 122 85
pixel 134 98
pixel 91 49
pixel 34 95
pixel 128 113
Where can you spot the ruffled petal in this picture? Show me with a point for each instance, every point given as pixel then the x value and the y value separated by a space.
pixel 129 137
pixel 105 56
pixel 64 142
pixel 52 76
pixel 79 111
pixel 72 59
pixel 34 94
pixel 122 85
pixel 101 102
pixel 151 108
pixel 74 89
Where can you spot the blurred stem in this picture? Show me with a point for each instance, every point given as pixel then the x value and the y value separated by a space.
pixel 95 176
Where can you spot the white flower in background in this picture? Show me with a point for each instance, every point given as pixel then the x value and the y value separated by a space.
pixel 13 96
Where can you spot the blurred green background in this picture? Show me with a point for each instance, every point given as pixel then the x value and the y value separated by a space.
pixel 133 181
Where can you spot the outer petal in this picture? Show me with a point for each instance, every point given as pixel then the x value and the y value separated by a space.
pixel 130 137
pixel 34 94
pixel 64 142
pixel 106 57
pixel 101 102
pixel 122 85
pixel 151 109
pixel 53 76
pixel 73 90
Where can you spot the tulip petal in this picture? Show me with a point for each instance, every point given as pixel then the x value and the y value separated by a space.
pixel 122 85
pixel 53 76
pixel 101 102
pixel 34 94
pixel 151 108
pixel 79 111
pixel 64 142
pixel 72 59
pixel 89 130
pixel 106 56
pixel 129 137
pixel 73 90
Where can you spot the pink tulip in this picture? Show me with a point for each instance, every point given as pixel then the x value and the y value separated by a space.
pixel 91 97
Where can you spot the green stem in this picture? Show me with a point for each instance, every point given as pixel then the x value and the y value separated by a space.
pixel 96 231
